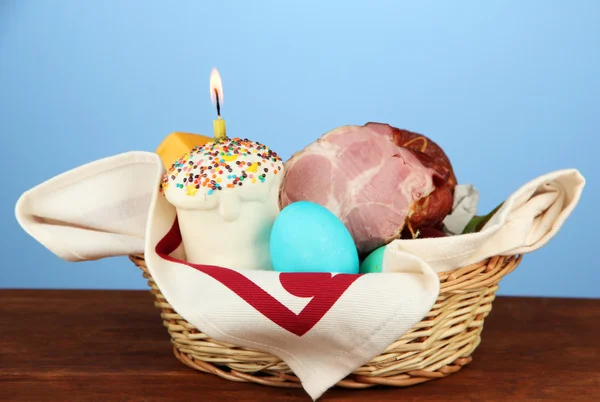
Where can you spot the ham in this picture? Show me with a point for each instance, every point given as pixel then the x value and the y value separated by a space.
pixel 429 212
pixel 378 180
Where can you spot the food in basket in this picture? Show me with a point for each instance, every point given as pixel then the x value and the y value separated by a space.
pixel 226 196
pixel 374 262
pixel 379 180
pixel 307 237
pixel 176 144
pixel 430 211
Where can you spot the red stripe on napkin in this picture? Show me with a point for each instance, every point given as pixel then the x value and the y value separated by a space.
pixel 324 288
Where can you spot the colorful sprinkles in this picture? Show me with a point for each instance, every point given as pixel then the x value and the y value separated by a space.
pixel 222 164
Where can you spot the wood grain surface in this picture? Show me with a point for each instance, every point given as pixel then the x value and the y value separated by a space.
pixel 76 345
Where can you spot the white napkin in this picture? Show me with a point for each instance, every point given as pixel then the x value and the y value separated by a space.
pixel 322 326
pixel 464 208
pixel 96 210
pixel 527 220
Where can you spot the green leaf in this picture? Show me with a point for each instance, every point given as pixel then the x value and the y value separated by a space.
pixel 478 222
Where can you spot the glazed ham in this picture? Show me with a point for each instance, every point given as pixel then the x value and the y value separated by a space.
pixel 380 181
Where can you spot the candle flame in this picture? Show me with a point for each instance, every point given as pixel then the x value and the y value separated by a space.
pixel 216 86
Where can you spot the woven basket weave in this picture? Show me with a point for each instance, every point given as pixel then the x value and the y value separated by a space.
pixel 437 346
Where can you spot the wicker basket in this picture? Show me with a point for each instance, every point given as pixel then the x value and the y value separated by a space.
pixel 437 346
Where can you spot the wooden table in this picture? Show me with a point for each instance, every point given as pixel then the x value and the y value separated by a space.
pixel 111 346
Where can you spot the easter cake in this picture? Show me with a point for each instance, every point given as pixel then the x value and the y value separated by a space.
pixel 226 195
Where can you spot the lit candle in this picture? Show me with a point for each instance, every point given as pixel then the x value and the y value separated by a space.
pixel 216 95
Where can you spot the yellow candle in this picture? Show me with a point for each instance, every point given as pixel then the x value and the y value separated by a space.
pixel 220 130
pixel 216 95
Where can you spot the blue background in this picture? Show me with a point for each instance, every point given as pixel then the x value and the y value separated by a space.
pixel 510 90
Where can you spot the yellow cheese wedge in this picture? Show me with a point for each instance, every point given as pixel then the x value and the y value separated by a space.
pixel 176 144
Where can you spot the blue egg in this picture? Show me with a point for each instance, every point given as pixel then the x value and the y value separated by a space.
pixel 307 237
pixel 374 262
